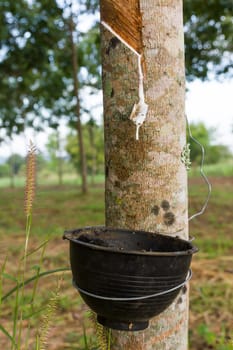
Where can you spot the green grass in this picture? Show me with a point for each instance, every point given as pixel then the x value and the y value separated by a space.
pixel 219 169
pixel 51 180
pixel 59 208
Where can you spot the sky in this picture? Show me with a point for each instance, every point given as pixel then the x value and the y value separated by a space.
pixel 212 103
pixel 209 102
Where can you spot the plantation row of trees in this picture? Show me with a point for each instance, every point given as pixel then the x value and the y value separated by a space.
pixel 63 152
pixel 50 66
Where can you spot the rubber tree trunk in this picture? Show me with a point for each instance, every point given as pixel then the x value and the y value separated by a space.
pixel 77 107
pixel 91 133
pixel 59 159
pixel 146 181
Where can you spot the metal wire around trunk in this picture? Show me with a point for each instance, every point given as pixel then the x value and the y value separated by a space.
pixel 202 174
pixel 189 275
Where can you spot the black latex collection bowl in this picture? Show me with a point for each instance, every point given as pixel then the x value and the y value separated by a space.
pixel 118 272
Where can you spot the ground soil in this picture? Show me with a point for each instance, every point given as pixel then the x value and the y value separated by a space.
pixel 211 288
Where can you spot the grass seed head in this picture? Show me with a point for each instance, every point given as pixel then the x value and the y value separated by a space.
pixel 30 179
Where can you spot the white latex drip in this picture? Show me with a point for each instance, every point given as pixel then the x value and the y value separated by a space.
pixel 140 109
pixel 139 112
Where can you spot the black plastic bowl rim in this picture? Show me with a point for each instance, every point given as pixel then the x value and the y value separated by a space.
pixel 68 235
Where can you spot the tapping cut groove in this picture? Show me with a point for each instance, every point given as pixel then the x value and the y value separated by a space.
pixel 124 17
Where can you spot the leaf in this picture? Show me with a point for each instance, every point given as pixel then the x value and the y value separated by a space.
pixel 9 277
pixel 42 274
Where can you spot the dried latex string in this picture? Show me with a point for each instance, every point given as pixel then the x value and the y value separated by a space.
pixel 139 112
pixel 201 172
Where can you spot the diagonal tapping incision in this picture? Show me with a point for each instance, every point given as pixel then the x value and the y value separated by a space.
pixel 123 19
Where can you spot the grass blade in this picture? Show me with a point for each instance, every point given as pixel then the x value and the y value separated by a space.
pixel 15 318
pixel 37 273
pixel 42 274
pixel 1 279
pixel 85 338
pixel 7 334
pixel 9 277
pixel 38 248
pixel 37 342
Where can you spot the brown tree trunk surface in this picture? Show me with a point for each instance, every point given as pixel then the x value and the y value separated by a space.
pixel 146 181
pixel 76 94
pixel 59 159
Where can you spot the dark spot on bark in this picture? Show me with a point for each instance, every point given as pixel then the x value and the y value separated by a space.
pixel 122 172
pixel 112 44
pixel 106 171
pixel 169 218
pixel 117 183
pixel 184 289
pixel 179 301
pixel 112 93
pixel 155 210
pixel 165 205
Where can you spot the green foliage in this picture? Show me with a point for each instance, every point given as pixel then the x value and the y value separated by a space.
pixel 213 153
pixel 218 153
pixel 24 304
pixel 56 154
pixel 28 34
pixel 4 170
pixel 208 38
pixel 217 342
pixel 94 146
pixel 89 58
pixel 36 81
pixel 15 162
pixel 35 66
pixel 211 294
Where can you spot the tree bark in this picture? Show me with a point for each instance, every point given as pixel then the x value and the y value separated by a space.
pixel 76 94
pixel 59 159
pixel 93 149
pixel 146 181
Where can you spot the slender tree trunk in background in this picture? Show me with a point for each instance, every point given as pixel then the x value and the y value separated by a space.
pixel 146 182
pixel 60 160
pixel 93 149
pixel 76 94
pixel 12 176
pixel 12 172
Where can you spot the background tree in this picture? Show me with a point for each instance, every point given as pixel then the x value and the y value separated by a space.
pixel 213 153
pixel 37 79
pixel 34 59
pixel 29 34
pixel 15 162
pixel 4 170
pixel 94 147
pixel 55 150
pixel 208 38
pixel 92 127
